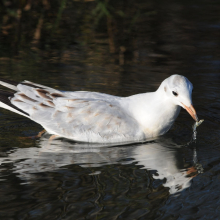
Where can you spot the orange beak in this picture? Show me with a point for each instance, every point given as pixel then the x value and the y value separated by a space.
pixel 191 111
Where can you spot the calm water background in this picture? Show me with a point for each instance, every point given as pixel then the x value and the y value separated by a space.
pixel 120 48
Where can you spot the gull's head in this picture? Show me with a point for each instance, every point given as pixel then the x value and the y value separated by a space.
pixel 179 89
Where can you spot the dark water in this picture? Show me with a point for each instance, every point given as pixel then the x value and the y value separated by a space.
pixel 162 179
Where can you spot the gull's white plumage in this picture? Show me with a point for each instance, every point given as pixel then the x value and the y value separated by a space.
pixel 98 117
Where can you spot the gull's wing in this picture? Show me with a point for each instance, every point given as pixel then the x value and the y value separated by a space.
pixel 82 116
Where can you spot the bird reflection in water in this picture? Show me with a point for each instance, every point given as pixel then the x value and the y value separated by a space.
pixel 161 155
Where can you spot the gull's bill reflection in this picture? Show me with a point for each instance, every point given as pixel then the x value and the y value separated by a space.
pixel 161 155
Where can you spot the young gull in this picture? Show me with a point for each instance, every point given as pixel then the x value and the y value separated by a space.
pixel 97 117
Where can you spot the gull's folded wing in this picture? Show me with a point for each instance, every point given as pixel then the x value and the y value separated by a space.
pixel 82 116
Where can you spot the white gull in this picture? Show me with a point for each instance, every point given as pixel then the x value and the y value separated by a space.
pixel 101 118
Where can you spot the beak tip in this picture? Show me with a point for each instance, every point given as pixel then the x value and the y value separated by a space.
pixel 191 111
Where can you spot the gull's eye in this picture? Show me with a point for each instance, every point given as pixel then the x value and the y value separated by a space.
pixel 174 93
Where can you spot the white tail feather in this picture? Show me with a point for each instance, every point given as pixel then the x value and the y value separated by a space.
pixel 8 85
pixel 3 105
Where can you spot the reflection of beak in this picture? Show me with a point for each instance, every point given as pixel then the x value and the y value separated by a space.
pixel 191 111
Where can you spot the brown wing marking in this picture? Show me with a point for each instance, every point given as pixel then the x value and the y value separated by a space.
pixel 43 94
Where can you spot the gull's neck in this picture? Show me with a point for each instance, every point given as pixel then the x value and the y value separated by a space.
pixel 154 111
